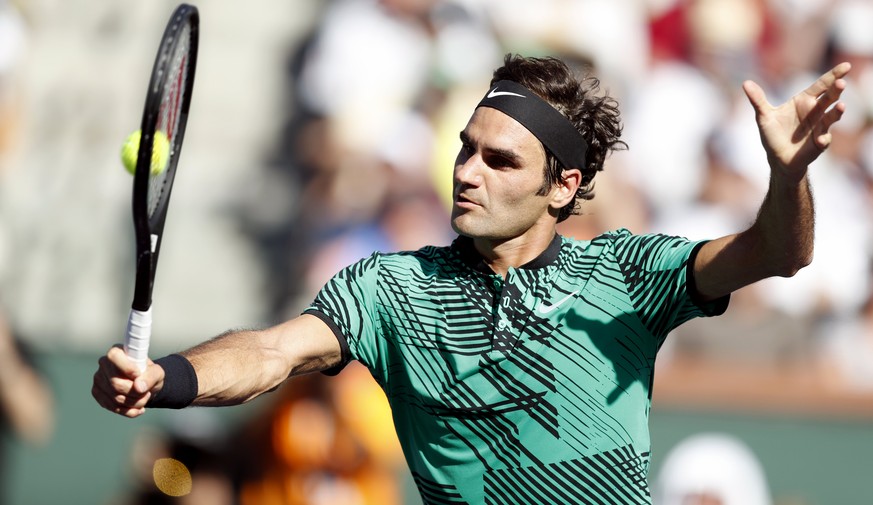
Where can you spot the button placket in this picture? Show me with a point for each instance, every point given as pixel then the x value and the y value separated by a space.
pixel 503 333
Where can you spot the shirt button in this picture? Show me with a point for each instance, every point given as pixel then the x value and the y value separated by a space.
pixel 502 324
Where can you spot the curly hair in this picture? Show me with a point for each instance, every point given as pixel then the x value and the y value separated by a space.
pixel 594 114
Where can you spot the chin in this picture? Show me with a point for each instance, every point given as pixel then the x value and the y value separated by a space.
pixel 482 228
pixel 458 227
pixel 466 230
pixel 464 227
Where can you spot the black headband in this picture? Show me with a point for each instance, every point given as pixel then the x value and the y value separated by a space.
pixel 555 131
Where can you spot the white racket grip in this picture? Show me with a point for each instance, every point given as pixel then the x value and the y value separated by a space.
pixel 139 332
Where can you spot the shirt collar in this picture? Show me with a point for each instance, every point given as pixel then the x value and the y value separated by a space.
pixel 464 247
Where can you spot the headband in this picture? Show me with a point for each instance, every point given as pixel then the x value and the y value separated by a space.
pixel 548 125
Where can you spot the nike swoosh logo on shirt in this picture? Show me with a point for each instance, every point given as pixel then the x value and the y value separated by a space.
pixel 543 308
pixel 494 93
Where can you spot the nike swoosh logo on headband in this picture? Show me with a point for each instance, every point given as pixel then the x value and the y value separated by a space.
pixel 494 93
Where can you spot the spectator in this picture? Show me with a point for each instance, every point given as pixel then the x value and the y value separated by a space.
pixel 711 469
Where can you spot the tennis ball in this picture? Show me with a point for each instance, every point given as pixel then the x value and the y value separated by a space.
pixel 160 152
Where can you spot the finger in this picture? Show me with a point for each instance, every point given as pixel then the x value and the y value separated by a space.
pixel 115 393
pixel 823 141
pixel 832 116
pixel 135 409
pixel 123 392
pixel 102 398
pixel 109 379
pixel 151 377
pixel 756 96
pixel 130 412
pixel 109 403
pixel 104 391
pixel 113 386
pixel 123 364
pixel 828 98
pixel 132 401
pixel 827 79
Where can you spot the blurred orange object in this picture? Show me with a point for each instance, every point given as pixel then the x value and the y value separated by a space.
pixel 331 441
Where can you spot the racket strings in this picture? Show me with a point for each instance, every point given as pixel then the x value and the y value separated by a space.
pixel 170 115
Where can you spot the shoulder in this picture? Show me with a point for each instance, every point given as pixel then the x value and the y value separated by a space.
pixel 426 253
pixel 426 259
pixel 596 246
pixel 649 251
pixel 623 239
pixel 605 239
pixel 624 245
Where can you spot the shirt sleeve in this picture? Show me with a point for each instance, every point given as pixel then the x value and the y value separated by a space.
pixel 659 274
pixel 347 304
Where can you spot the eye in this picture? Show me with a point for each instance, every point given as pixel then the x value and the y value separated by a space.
pixel 464 153
pixel 499 162
pixel 466 146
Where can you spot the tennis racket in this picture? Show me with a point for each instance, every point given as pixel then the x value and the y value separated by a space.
pixel 166 110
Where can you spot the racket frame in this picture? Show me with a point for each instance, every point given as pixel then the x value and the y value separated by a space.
pixel 149 229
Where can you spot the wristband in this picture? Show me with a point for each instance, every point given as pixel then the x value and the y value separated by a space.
pixel 180 383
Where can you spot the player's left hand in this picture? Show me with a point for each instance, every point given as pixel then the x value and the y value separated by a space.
pixel 795 133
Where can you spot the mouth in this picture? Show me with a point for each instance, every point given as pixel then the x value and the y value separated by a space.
pixel 462 201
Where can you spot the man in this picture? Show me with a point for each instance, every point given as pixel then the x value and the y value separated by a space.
pixel 518 363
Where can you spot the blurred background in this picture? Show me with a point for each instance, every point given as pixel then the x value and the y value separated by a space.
pixel 323 130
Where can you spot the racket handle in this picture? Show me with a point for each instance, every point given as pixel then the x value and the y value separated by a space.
pixel 139 332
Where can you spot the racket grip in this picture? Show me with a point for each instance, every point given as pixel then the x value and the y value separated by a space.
pixel 139 332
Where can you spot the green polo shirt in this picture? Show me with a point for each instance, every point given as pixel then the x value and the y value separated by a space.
pixel 533 388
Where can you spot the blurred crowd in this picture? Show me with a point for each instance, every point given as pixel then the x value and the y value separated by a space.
pixel 374 98
pixel 377 94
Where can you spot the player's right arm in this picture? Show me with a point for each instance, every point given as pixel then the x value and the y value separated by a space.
pixel 230 369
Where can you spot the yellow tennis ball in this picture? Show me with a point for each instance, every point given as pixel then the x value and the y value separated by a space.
pixel 160 152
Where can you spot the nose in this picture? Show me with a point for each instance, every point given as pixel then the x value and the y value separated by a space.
pixel 468 170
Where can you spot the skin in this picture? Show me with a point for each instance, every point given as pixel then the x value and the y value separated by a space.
pixel 25 398
pixel 497 174
pixel 780 242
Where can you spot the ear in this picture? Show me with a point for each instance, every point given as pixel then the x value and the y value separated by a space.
pixel 565 190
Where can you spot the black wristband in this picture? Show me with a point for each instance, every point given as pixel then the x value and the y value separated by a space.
pixel 180 383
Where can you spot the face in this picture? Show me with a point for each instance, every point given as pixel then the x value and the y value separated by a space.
pixel 498 173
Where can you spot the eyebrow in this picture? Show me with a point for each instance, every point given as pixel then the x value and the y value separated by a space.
pixel 511 156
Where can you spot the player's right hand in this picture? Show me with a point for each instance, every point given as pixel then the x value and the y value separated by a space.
pixel 119 385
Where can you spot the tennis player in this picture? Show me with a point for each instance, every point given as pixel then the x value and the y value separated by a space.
pixel 518 363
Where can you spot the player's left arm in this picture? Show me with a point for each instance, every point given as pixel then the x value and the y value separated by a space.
pixel 780 241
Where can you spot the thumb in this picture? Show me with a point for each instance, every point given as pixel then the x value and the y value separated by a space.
pixel 149 379
pixel 756 96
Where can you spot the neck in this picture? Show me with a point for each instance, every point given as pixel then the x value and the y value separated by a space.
pixel 503 254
